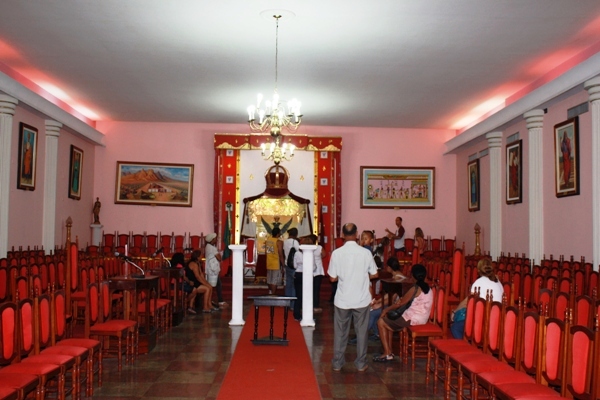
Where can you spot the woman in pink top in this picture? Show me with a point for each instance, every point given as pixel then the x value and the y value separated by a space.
pixel 421 298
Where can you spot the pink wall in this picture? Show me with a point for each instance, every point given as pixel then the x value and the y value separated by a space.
pixel 567 220
pixel 193 143
pixel 26 207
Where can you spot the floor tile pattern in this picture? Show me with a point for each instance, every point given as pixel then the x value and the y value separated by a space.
pixel 191 360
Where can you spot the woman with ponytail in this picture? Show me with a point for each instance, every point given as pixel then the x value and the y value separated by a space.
pixel 419 300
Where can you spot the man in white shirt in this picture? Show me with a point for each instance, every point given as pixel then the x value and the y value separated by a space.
pixel 398 236
pixel 352 266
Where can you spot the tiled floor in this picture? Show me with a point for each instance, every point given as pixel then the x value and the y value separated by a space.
pixel 192 359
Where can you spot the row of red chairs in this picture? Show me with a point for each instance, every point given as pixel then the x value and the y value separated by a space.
pixel 511 353
pixel 144 244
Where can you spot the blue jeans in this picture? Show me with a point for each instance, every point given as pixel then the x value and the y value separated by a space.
pixel 373 317
pixel 457 329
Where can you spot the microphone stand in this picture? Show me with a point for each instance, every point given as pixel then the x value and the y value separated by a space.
pixel 136 276
pixel 165 259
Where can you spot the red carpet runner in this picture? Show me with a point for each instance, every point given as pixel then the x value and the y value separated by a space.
pixel 270 372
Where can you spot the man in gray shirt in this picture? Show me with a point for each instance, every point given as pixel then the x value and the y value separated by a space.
pixel 352 266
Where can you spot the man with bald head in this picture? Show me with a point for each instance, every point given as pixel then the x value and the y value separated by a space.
pixel 352 267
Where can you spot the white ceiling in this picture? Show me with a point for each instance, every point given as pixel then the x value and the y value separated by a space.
pixel 377 63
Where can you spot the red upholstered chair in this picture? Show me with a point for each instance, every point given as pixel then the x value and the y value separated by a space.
pixel 21 288
pixel 18 343
pixel 7 393
pixel 109 241
pixel 583 363
pixel 584 312
pixel 22 383
pixel 592 283
pixel 579 282
pixel 467 364
pixel 409 244
pixel 137 244
pixel 166 242
pixel 44 344
pixel 195 241
pixel 151 243
pixel 434 328
pixel 250 255
pixel 4 283
pixel 179 243
pixel 439 350
pixel 561 305
pixel 549 356
pixel 456 290
pixel 526 286
pixel 59 338
pixel 99 324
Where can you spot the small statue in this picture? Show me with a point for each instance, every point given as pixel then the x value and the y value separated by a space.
pixel 96 210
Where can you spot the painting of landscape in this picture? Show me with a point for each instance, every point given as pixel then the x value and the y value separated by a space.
pixel 154 184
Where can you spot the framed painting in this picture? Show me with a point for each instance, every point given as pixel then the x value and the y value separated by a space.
pixel 474 195
pixel 514 172
pixel 27 157
pixel 75 167
pixel 566 158
pixel 154 184
pixel 397 187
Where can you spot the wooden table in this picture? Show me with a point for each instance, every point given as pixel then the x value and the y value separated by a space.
pixel 132 288
pixel 396 286
pixel 171 288
pixel 271 301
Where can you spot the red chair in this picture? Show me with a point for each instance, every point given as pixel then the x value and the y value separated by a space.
pixel 195 242
pixel 59 338
pixel 166 242
pixel 250 255
pixel 44 344
pixel 583 363
pixel 22 383
pixel 485 337
pixel 99 324
pixel 151 243
pixel 137 244
pixel 108 242
pixel 434 328
pixel 18 343
pixel 178 243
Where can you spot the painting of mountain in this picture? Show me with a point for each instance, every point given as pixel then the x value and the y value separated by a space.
pixel 154 184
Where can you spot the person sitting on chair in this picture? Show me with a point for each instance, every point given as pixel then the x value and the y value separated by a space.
pixel 419 300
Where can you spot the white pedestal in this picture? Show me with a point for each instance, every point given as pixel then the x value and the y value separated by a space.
pixel 237 284
pixel 96 234
pixel 308 261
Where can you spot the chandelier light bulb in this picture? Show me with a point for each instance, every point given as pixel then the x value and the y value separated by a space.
pixel 251 110
pixel 261 116
pixel 292 147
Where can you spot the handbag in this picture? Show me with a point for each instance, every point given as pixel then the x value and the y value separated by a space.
pixel 397 313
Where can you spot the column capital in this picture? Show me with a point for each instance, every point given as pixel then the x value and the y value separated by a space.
pixel 593 88
pixel 53 128
pixel 534 118
pixel 494 139
pixel 8 104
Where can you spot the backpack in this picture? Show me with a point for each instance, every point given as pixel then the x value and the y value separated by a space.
pixel 290 258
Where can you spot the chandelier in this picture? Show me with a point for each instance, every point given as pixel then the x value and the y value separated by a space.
pixel 274 116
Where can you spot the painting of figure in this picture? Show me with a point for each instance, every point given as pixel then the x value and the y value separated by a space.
pixel 566 158
pixel 27 157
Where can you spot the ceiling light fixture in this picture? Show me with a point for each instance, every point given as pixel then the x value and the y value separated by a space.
pixel 275 116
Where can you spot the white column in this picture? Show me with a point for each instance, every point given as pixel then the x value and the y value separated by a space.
pixel 495 143
pixel 593 88
pixel 7 110
pixel 535 123
pixel 237 284
pixel 308 261
pixel 49 222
